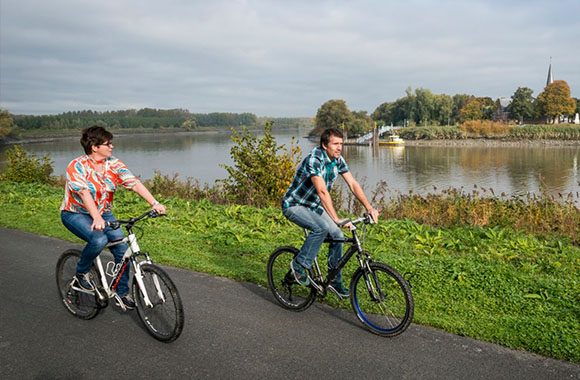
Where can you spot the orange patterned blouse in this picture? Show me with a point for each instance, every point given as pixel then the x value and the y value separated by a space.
pixel 82 174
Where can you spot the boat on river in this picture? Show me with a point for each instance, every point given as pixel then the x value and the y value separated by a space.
pixel 392 140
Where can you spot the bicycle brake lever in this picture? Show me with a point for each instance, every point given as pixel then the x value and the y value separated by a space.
pixel 114 225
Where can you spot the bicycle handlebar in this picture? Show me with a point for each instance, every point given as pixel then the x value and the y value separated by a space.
pixel 116 224
pixel 366 218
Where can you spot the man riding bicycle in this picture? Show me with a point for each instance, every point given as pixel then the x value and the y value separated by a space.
pixel 307 203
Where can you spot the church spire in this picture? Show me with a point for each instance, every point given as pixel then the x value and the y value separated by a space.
pixel 550 79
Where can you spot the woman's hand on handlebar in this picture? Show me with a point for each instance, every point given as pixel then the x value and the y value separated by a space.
pixel 98 223
pixel 159 208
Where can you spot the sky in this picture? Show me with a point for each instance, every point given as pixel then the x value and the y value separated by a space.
pixel 276 58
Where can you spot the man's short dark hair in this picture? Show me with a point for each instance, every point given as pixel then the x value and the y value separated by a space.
pixel 325 136
pixel 94 136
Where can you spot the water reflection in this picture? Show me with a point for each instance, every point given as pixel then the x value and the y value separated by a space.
pixel 515 170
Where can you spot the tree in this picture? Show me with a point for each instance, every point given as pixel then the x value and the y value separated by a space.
pixel 6 124
pixel 410 103
pixel 459 101
pixel 361 123
pixel 424 106
pixel 332 114
pixel 487 107
pixel 555 101
pixel 443 109
pixel 384 113
pixel 522 105
pixel 471 110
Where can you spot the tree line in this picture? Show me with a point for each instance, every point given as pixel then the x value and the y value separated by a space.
pixel 143 118
pixel 424 108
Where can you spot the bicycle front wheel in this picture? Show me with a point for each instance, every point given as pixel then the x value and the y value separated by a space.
pixel 163 315
pixel 80 304
pixel 283 285
pixel 382 299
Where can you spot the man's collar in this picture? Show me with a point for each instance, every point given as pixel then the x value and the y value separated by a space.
pixel 327 159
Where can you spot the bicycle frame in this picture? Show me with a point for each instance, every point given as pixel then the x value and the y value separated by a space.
pixel 116 270
pixel 355 247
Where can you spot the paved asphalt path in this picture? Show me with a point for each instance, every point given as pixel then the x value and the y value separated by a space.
pixel 232 331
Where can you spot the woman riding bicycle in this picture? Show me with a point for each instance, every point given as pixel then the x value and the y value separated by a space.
pixel 91 181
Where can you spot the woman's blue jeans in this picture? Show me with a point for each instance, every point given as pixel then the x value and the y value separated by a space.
pixel 80 225
pixel 320 226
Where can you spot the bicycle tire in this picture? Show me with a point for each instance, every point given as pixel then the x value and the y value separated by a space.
pixel 392 312
pixel 286 290
pixel 81 305
pixel 163 320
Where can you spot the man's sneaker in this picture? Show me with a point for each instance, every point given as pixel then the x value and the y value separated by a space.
pixel 299 273
pixel 84 281
pixel 127 302
pixel 339 290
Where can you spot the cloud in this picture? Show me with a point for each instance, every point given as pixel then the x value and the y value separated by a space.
pixel 275 57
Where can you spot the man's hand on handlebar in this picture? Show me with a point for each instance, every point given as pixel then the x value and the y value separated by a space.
pixel 374 213
pixel 346 223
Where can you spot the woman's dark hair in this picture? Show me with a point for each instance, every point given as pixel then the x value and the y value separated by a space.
pixel 93 136
pixel 325 136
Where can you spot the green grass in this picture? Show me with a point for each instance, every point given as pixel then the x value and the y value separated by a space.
pixel 512 288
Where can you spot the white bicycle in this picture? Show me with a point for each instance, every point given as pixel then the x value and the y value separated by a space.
pixel 155 295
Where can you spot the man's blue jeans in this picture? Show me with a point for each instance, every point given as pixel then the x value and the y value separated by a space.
pixel 80 225
pixel 319 226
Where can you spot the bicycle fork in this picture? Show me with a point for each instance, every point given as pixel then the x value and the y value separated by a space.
pixel 372 282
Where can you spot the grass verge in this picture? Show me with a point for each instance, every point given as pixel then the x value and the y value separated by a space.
pixel 512 288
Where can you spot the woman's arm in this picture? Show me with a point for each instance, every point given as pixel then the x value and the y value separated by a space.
pixel 91 206
pixel 140 189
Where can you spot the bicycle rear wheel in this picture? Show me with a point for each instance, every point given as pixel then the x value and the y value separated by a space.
pixel 80 304
pixel 382 300
pixel 164 317
pixel 283 285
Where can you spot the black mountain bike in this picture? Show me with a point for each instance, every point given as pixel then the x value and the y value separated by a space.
pixel 155 295
pixel 379 295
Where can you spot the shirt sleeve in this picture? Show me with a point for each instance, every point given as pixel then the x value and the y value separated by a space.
pixel 76 177
pixel 314 166
pixel 342 166
pixel 123 175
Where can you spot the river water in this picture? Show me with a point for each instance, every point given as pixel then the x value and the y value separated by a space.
pixel 512 170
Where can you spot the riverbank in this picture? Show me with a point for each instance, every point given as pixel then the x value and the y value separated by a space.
pixel 29 138
pixel 492 142
pixel 495 284
pixel 39 138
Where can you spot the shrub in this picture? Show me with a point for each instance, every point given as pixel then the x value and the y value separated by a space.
pixel 27 168
pixel 484 128
pixel 167 187
pixel 260 175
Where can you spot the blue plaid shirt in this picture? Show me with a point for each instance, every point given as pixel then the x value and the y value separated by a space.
pixel 302 191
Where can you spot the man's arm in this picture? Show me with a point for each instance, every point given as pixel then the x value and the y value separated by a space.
pixel 325 199
pixel 358 192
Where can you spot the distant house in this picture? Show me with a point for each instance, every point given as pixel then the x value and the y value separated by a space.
pixel 501 112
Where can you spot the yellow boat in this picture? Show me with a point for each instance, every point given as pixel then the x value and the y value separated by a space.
pixel 392 140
